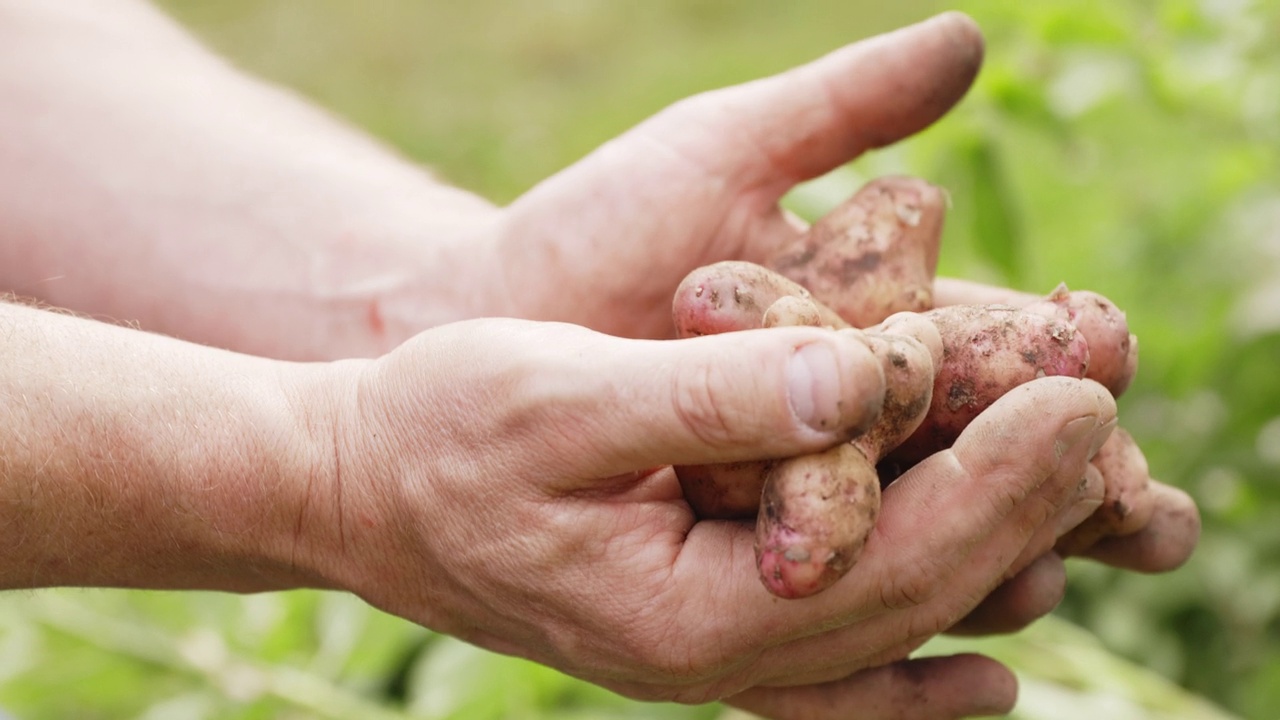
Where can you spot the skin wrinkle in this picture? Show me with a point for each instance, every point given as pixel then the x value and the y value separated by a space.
pixel 696 403
pixel 338 489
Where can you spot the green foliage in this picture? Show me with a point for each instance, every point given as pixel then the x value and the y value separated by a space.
pixel 1128 147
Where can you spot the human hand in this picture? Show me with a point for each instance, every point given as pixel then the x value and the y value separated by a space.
pixel 605 242
pixel 509 483
pixel 1162 539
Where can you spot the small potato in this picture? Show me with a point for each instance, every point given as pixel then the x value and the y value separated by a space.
pixel 874 255
pixel 819 509
pixel 910 348
pixel 724 491
pixel 1113 350
pixel 793 311
pixel 734 295
pixel 816 514
pixel 987 351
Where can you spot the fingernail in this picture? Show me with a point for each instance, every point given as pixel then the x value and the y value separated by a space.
pixel 1100 437
pixel 1073 433
pixel 813 384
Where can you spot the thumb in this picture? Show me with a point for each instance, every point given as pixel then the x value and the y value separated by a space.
pixel 579 404
pixel 741 396
pixel 781 130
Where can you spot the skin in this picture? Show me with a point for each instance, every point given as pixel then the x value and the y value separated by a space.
pixel 470 478
pixel 816 511
pixel 343 475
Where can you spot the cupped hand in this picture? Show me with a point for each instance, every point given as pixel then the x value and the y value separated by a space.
pixel 509 482
pixel 1160 544
pixel 605 242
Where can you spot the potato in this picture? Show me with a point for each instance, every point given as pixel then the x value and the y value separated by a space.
pixel 874 255
pixel 987 351
pixel 734 295
pixel 792 311
pixel 816 514
pixel 866 262
pixel 818 510
pixel 724 491
pixel 1113 350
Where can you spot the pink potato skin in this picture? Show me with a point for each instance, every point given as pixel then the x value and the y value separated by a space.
pixel 734 295
pixel 817 511
pixel 987 351
pixel 1113 350
pixel 875 254
pixel 724 491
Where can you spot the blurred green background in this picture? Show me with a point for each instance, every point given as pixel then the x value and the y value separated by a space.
pixel 1128 147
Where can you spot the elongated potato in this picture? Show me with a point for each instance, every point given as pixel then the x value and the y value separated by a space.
pixel 818 510
pixel 1113 350
pixel 816 513
pixel 987 351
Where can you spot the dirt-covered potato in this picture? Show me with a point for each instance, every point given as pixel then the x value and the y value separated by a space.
pixel 874 255
pixel 987 351
pixel 818 510
pixel 734 295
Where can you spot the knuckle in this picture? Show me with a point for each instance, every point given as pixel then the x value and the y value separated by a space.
pixel 937 619
pixel 1040 510
pixel 913 586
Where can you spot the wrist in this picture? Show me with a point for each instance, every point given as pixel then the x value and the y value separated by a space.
pixel 134 460
pixel 395 272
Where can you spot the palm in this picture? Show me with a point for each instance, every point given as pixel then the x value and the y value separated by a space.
pixel 658 211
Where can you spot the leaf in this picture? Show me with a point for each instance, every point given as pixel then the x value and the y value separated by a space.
pixel 1065 672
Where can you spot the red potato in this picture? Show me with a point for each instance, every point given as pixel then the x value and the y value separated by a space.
pixel 726 297
pixel 987 351
pixel 816 511
pixel 734 295
pixel 1113 350
pixel 874 255
pixel 724 491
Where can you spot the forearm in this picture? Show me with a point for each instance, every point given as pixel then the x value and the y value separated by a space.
pixel 134 460
pixel 144 180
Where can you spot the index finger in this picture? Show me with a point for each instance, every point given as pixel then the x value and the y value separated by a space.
pixel 953 291
pixel 932 520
